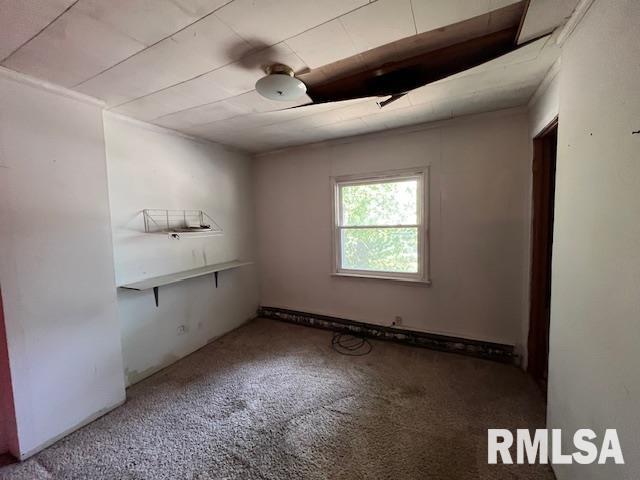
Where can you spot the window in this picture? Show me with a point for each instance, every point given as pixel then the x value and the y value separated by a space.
pixel 379 228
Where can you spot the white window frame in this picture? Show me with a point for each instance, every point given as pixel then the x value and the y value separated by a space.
pixel 420 174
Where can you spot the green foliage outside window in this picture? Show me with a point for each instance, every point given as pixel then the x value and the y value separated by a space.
pixel 375 205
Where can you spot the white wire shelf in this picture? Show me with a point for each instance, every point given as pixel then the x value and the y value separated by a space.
pixel 180 223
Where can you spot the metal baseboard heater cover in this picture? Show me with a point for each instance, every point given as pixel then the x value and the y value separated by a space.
pixel 487 350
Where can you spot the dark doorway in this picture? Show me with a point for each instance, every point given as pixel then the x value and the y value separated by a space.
pixel 544 181
pixel 8 435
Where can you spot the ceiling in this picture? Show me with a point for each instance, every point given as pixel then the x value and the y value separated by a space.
pixel 191 65
pixel 544 16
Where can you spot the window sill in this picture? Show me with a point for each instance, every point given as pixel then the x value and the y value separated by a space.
pixel 410 281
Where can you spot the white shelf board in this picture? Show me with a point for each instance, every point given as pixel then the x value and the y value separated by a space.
pixel 154 282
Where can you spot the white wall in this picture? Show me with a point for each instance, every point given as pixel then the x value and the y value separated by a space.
pixel 594 375
pixel 479 208
pixel 56 262
pixel 151 167
pixel 545 103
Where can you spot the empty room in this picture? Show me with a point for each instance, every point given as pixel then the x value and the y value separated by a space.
pixel 320 239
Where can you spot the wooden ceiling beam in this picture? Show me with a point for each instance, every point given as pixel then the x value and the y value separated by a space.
pixel 394 78
pixel 409 63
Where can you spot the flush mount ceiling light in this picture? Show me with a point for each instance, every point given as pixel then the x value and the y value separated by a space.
pixel 281 84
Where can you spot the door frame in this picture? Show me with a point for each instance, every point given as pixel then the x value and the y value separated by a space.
pixel 8 430
pixel 542 214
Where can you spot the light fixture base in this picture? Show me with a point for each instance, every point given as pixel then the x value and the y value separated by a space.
pixel 279 69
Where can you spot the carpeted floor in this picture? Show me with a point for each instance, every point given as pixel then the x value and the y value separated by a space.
pixel 274 401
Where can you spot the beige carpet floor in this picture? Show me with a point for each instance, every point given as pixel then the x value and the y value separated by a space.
pixel 274 401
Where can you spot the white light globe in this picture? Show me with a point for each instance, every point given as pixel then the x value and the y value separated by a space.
pixel 282 86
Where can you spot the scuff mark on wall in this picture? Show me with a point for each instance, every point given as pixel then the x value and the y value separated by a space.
pixel 135 376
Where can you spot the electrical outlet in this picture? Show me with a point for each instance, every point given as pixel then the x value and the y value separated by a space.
pixel 397 321
pixel 182 329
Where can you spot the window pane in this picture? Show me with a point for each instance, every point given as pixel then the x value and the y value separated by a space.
pixel 380 249
pixel 387 203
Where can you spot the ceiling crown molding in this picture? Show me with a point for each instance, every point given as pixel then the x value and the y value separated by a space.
pixel 49 87
pixel 575 18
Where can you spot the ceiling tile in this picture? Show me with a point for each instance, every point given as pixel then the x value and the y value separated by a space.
pixel 323 44
pixel 375 123
pixel 225 82
pixel 311 136
pixel 241 76
pixel 496 4
pixel 528 64
pixel 256 103
pixel 314 121
pixel 434 14
pixel 502 77
pixel 345 128
pixel 206 130
pixel 206 114
pixel 508 83
pixel 423 113
pixel 492 100
pixel 249 138
pixel 202 47
pixel 379 23
pixel 543 16
pixel 408 116
pixel 307 117
pixel 526 53
pixel 398 113
pixel 241 123
pixel 256 120
pixel 72 49
pixel 179 98
pixel 267 22
pixel 253 126
pixel 333 130
pixel 333 114
pixel 22 19
pixel 148 21
pixel 95 35
pixel 235 114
